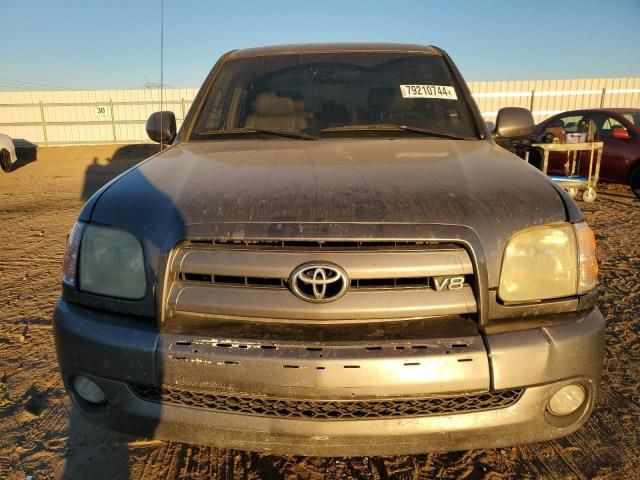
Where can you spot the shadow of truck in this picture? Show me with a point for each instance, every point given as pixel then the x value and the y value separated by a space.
pixel 98 174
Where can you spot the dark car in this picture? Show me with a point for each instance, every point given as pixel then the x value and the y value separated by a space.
pixel 618 128
pixel 333 257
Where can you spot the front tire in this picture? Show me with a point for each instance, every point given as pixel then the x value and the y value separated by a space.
pixel 5 161
pixel 634 181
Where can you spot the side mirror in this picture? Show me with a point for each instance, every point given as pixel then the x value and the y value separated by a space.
pixel 161 127
pixel 620 133
pixel 513 122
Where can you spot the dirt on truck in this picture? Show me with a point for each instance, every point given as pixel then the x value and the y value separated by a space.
pixel 333 258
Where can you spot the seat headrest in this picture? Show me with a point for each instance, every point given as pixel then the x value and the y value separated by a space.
pixel 268 103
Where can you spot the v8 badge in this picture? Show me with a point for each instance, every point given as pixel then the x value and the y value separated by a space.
pixel 448 283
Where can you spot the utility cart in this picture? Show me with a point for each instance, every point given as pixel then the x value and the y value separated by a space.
pixel 571 181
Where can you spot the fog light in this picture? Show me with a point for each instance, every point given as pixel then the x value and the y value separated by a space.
pixel 88 390
pixel 567 400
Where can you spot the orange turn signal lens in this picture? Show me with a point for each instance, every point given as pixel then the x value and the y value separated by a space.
pixel 587 261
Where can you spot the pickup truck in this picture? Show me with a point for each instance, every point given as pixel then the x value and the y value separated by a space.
pixel 333 257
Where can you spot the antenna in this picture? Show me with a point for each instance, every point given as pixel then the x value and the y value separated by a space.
pixel 161 67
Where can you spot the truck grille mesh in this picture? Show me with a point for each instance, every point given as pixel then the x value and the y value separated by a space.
pixel 330 410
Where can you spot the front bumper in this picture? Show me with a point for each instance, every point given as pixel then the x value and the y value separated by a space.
pixel 122 353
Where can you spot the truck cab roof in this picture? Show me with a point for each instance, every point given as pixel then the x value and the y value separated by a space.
pixel 333 47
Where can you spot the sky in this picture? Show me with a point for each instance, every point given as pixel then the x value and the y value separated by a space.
pixel 107 44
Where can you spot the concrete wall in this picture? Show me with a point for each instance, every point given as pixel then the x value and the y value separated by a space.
pixel 119 116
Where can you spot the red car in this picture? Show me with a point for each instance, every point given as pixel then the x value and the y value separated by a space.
pixel 618 128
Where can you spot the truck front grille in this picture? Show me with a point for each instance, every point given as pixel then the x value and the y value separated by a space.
pixel 330 410
pixel 249 280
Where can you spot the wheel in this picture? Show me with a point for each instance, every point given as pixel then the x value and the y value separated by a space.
pixel 634 181
pixel 5 161
pixel 589 195
pixel 572 191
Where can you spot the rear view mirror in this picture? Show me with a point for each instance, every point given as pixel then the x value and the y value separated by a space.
pixel 513 122
pixel 161 127
pixel 620 133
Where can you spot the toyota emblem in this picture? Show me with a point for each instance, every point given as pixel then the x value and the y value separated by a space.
pixel 319 282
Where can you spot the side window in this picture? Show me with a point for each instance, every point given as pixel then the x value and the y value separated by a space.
pixel 214 106
pixel 605 124
pixel 215 115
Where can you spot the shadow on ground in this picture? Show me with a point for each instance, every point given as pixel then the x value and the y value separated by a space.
pixel 98 174
pixel 106 459
pixel 26 152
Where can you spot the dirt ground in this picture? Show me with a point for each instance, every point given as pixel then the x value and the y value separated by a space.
pixel 43 437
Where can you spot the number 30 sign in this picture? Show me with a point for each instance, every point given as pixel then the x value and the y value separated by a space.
pixel 101 110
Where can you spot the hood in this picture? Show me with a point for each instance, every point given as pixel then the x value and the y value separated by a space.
pixel 193 189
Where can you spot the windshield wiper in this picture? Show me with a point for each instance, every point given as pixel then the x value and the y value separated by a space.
pixel 389 126
pixel 243 130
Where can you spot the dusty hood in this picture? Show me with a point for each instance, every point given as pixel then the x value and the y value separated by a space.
pixel 194 188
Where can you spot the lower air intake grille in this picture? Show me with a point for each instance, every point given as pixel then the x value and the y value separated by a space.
pixel 331 410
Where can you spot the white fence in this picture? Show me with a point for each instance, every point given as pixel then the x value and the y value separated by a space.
pixel 119 116
pixel 86 117
pixel 548 97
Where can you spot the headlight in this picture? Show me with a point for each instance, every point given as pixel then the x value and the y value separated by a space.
pixel 548 261
pixel 111 263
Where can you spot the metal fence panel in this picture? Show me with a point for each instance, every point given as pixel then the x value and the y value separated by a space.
pixel 119 116
pixel 548 97
pixel 86 117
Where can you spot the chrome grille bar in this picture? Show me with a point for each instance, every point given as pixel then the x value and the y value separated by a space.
pixel 280 304
pixel 360 265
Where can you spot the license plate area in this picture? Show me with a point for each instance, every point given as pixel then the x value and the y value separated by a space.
pixel 325 370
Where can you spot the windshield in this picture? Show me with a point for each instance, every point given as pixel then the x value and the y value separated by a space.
pixel 318 93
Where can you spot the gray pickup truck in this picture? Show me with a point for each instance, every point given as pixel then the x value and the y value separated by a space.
pixel 333 257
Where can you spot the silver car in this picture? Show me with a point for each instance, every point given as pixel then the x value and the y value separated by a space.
pixel 7 153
